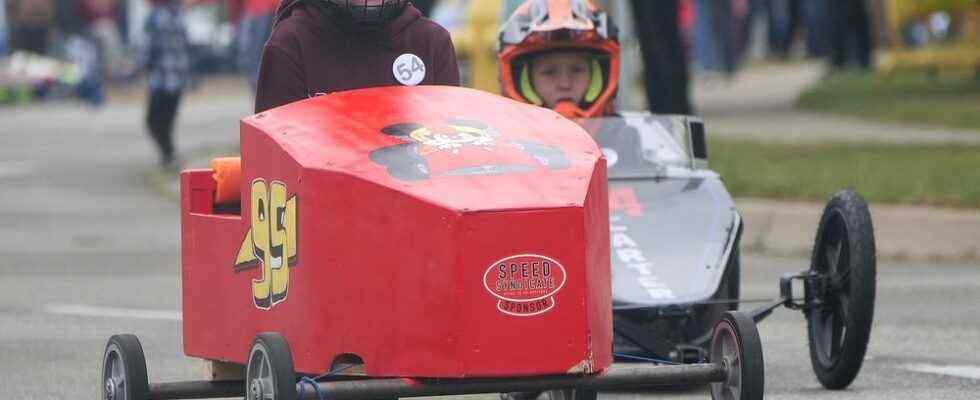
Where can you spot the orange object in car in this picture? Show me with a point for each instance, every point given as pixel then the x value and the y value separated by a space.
pixel 228 175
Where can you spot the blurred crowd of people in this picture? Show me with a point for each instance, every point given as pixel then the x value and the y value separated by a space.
pixel 722 33
pixel 75 42
pixel 715 35
pixel 84 43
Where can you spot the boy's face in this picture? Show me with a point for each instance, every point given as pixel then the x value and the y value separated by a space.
pixel 561 76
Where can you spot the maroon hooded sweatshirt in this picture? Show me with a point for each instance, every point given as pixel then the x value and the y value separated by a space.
pixel 310 54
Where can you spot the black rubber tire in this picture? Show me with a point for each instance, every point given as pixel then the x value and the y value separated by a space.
pixel 270 350
pixel 124 363
pixel 570 394
pixel 737 336
pixel 520 395
pixel 846 235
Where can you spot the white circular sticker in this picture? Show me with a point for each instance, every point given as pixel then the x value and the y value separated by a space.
pixel 611 156
pixel 409 69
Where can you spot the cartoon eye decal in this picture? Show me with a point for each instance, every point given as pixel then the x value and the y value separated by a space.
pixel 280 218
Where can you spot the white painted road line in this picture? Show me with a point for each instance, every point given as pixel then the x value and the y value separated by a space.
pixel 112 312
pixel 961 371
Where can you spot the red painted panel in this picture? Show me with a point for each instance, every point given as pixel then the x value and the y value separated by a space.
pixel 341 255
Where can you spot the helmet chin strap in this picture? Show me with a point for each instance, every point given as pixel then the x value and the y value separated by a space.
pixel 569 109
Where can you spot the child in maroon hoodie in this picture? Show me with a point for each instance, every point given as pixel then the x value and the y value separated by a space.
pixel 323 46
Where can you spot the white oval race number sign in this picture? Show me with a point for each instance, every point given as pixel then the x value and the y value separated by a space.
pixel 409 70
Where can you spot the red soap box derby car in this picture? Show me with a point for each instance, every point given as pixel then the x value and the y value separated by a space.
pixel 401 242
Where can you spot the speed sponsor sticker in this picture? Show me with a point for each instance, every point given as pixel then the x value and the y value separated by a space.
pixel 525 284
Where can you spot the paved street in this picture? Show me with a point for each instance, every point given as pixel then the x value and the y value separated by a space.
pixel 88 248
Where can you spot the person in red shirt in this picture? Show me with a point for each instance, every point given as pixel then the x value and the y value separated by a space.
pixel 323 46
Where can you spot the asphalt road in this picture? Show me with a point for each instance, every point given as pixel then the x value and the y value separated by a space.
pixel 89 249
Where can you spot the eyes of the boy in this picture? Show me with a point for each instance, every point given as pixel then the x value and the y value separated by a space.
pixel 553 71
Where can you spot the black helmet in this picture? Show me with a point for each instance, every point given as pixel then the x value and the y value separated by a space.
pixel 368 13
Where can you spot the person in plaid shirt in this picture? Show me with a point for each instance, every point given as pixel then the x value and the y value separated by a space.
pixel 167 63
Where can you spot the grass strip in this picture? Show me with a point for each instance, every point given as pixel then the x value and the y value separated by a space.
pixel 947 98
pixel 933 175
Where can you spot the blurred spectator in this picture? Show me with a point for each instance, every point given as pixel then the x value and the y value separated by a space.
pixel 30 24
pixel 82 53
pixel 665 64
pixel 121 18
pixel 3 28
pixel 784 22
pixel 254 29
pixel 168 68
pixel 850 34
pixel 99 17
pixel 68 17
pixel 714 34
pixel 815 18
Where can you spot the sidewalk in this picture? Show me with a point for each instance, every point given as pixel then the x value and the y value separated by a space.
pixel 901 233
pixel 760 104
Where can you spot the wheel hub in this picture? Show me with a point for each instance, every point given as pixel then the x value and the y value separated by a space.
pixel 110 389
pixel 727 363
pixel 256 390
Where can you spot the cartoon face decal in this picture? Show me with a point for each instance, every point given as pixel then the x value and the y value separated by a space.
pixel 461 148
pixel 270 242
pixel 451 137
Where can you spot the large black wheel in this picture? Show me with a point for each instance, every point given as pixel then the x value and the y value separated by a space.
pixel 842 294
pixel 124 369
pixel 570 394
pixel 557 394
pixel 735 344
pixel 270 374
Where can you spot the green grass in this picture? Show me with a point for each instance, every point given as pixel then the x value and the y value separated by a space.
pixel 951 98
pixel 935 175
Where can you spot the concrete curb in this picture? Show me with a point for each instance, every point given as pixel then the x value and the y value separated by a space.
pixel 901 232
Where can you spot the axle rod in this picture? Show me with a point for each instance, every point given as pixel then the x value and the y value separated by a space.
pixel 366 389
pixel 633 377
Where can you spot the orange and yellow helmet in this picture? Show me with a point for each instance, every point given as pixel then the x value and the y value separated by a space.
pixel 541 26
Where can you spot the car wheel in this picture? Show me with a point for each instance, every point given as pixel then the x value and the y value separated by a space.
pixel 124 369
pixel 570 394
pixel 843 295
pixel 270 374
pixel 735 344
